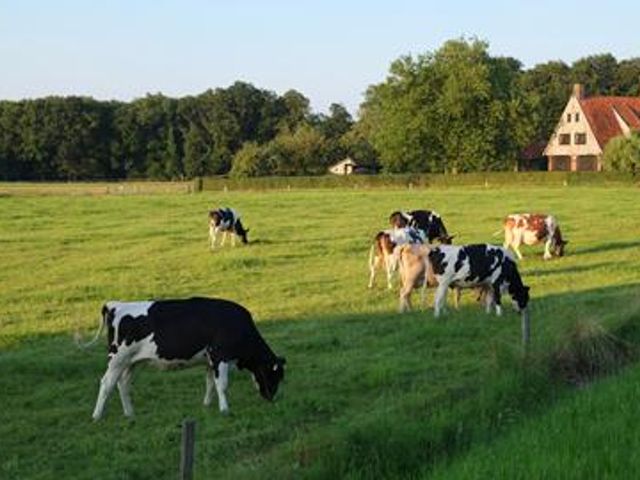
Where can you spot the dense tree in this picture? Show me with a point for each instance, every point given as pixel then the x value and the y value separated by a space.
pixel 548 86
pixel 597 73
pixel 452 110
pixel 622 154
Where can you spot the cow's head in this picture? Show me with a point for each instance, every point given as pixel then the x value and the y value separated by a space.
pixel 558 243
pixel 398 220
pixel 268 376
pixel 446 239
pixel 215 217
pixel 520 297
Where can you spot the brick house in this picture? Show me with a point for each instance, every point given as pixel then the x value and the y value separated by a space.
pixel 585 127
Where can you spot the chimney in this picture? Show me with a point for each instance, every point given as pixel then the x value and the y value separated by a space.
pixel 578 90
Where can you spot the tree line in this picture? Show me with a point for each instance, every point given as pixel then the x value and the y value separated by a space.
pixel 452 110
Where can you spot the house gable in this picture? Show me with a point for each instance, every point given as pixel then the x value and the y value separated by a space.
pixel 573 122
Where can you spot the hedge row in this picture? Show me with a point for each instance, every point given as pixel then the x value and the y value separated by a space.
pixel 481 179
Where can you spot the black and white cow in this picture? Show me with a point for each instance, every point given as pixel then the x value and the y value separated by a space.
pixel 426 221
pixel 226 220
pixel 477 265
pixel 180 333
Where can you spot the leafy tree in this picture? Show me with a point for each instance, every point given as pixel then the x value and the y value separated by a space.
pixel 627 78
pixel 623 154
pixel 597 73
pixel 252 160
pixel 547 87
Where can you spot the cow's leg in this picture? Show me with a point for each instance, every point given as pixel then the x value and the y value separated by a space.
pixel 488 299
pixel 440 299
pixel 233 239
pixel 547 249
pixel 457 293
pixel 224 238
pixel 222 381
pixel 107 384
pixel 508 238
pixel 516 248
pixel 212 237
pixel 405 298
pixel 496 300
pixel 374 265
pixel 124 387
pixel 389 265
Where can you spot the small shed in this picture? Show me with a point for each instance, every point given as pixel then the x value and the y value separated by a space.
pixel 344 167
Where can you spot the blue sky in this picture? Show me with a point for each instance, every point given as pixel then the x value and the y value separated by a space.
pixel 328 50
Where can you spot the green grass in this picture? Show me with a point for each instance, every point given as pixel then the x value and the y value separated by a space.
pixel 369 393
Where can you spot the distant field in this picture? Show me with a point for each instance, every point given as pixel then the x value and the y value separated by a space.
pixel 369 393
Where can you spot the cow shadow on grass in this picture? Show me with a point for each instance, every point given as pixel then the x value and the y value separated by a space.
pixel 543 272
pixel 606 247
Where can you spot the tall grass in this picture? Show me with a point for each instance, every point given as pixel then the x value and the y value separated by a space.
pixel 369 393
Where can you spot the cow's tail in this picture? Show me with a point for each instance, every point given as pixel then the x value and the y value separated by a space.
pixel 78 337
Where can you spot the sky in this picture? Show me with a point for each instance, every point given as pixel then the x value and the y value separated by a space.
pixel 329 50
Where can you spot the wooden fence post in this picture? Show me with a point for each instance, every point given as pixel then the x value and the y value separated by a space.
pixel 187 449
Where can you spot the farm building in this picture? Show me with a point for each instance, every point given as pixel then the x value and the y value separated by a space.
pixel 585 127
pixel 347 167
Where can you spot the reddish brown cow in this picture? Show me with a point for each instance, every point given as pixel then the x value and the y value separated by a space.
pixel 531 229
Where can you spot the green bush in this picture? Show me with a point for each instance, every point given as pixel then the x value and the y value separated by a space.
pixel 482 179
pixel 622 154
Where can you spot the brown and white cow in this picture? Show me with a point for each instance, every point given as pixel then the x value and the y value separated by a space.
pixel 531 229
pixel 381 254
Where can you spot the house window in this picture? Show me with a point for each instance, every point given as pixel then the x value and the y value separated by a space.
pixel 577 117
pixel 580 138
pixel 568 118
pixel 565 139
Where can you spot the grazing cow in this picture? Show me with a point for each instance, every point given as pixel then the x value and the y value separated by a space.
pixel 425 221
pixel 414 273
pixel 531 229
pixel 382 254
pixel 226 220
pixel 179 333
pixel 473 266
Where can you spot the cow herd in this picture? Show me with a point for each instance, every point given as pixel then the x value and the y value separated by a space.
pixel 490 270
pixel 222 334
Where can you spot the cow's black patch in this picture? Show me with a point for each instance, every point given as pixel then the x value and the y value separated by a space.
pixel 436 257
pixel 430 223
pixel 482 261
pixel 462 256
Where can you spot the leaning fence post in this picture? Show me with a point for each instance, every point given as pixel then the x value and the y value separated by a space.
pixel 187 449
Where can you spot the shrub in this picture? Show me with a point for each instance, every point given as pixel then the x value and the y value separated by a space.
pixel 623 154
pixel 588 351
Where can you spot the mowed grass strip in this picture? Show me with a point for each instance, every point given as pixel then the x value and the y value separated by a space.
pixel 368 392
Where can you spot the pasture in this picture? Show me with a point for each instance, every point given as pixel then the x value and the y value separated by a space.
pixel 368 393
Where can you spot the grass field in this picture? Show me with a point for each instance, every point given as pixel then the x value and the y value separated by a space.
pixel 369 393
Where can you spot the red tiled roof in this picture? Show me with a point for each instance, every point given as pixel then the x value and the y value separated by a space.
pixel 600 115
